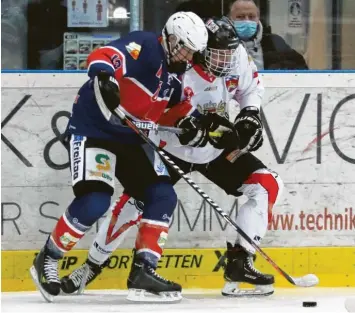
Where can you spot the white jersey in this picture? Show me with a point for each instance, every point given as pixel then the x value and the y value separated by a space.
pixel 206 93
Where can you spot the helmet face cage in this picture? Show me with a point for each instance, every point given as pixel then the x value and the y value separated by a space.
pixel 221 62
pixel 180 51
pixel 177 51
pixel 221 55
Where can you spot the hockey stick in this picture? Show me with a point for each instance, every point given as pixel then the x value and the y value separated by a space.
pixel 308 280
pixel 174 130
pixel 178 131
pixel 140 124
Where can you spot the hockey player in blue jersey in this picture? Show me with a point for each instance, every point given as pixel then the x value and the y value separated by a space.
pixel 223 72
pixel 135 74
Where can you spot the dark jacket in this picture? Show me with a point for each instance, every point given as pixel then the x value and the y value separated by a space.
pixel 274 54
pixel 278 54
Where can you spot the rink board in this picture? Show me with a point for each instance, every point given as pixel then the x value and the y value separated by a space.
pixel 308 140
pixel 193 268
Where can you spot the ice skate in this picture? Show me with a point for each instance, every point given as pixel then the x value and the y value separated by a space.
pixel 240 269
pixel 44 273
pixel 81 277
pixel 145 285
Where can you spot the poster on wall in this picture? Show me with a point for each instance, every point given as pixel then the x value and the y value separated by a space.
pixel 87 13
pixel 77 47
pixel 295 13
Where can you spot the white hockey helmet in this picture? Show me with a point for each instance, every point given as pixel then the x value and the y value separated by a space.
pixel 188 31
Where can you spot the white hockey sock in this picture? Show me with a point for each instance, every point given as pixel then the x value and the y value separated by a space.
pixel 123 215
pixel 263 189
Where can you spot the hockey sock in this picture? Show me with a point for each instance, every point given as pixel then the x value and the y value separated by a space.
pixel 82 213
pixel 124 213
pixel 262 189
pixel 160 202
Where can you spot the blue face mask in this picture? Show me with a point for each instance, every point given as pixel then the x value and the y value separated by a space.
pixel 245 29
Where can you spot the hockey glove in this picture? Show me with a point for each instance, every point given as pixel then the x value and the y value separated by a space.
pixel 250 128
pixel 229 136
pixel 109 90
pixel 195 134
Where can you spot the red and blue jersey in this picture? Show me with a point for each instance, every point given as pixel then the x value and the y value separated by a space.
pixel 138 63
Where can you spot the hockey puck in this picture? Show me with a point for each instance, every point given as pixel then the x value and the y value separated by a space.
pixel 309 304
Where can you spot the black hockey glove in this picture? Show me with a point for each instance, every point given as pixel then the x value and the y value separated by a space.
pixel 250 128
pixel 109 90
pixel 195 134
pixel 198 129
pixel 229 136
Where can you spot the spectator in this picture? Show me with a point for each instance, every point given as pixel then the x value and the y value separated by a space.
pixel 47 23
pixel 269 51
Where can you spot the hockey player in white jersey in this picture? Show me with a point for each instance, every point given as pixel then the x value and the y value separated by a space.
pixel 223 72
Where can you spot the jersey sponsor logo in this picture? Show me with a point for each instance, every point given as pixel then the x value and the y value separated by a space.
pixel 77 151
pixel 103 161
pixel 211 88
pixel 103 165
pixel 100 165
pixel 134 50
pixel 231 83
pixel 116 61
pixel 212 107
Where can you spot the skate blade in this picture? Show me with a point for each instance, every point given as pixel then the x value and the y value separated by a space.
pixel 47 296
pixel 83 281
pixel 231 289
pixel 140 295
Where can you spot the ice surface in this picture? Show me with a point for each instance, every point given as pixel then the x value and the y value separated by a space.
pixel 284 300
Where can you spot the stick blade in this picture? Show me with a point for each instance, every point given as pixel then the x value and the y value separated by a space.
pixel 308 280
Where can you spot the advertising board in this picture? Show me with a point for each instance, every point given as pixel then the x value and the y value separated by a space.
pixel 309 140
